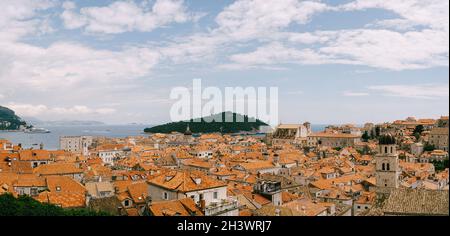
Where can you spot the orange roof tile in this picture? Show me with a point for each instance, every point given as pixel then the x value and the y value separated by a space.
pixel 185 181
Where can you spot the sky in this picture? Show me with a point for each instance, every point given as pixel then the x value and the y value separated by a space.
pixel 349 61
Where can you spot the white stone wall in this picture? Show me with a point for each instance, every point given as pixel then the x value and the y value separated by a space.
pixel 76 144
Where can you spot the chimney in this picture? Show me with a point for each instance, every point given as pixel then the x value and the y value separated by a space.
pixel 277 212
pixel 203 204
pixel 276 159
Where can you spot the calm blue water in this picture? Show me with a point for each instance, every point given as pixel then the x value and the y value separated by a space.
pixel 51 140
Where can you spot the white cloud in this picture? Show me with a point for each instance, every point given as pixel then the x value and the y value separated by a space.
pixel 275 53
pixel 256 18
pixel 244 21
pixel 195 48
pixel 298 92
pixel 309 38
pixel 432 13
pixel 378 48
pixel 64 70
pixel 61 65
pixel 64 65
pixel 424 91
pixel 18 17
pixel 355 94
pixel 43 110
pixel 379 45
pixel 125 16
pixel 396 24
pixel 389 49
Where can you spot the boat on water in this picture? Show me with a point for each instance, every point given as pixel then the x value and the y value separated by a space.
pixel 37 131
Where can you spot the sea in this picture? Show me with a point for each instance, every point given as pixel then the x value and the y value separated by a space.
pixel 51 140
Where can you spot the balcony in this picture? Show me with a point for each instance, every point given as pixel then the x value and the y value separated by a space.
pixel 218 208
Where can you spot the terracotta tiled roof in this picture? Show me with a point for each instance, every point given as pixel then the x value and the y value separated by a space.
pixel 245 212
pixel 417 202
pixel 257 165
pixel 65 200
pixel 21 167
pixel 306 207
pixel 288 197
pixel 256 198
pixel 57 169
pixel 184 207
pixel 186 181
pixel 31 155
pixel 138 191
pixel 30 180
pixel 122 185
pixel 64 184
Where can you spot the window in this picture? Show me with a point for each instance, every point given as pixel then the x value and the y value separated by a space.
pixel 215 195
pixel 58 188
pixel 165 196
pixel 359 207
pixel 385 150
pixel 126 203
pixel 383 167
pixel 387 168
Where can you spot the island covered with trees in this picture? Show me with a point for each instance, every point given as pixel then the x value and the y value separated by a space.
pixel 9 120
pixel 225 122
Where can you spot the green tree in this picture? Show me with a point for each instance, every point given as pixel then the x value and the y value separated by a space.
pixel 372 134
pixel 365 137
pixel 27 206
pixel 440 165
pixel 377 131
pixel 429 147
pixel 419 129
pixel 417 136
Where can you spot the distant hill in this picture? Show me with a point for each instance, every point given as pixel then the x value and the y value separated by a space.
pixel 37 122
pixel 9 120
pixel 210 127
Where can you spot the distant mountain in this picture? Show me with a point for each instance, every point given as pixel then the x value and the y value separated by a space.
pixel 210 127
pixel 9 120
pixel 37 122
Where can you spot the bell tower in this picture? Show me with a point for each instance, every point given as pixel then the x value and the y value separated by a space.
pixel 387 165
